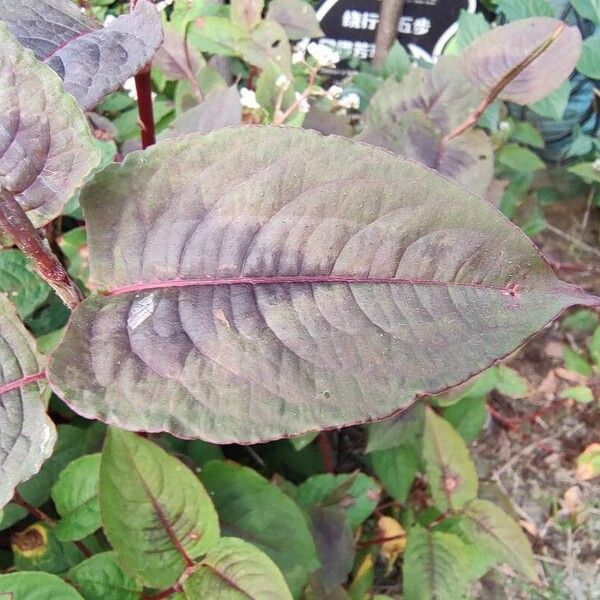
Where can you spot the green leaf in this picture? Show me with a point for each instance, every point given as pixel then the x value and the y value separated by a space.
pixel 470 27
pixel 519 159
pixel 302 441
pixel 594 346
pixel 517 9
pixel 27 435
pixel 356 494
pixel 47 148
pixel 75 495
pixel 155 512
pixel 73 245
pixel 503 58
pixel 297 17
pixel 527 134
pixel 202 452
pixel 588 9
pixel 36 586
pixel 581 320
pixel 576 362
pixel 236 570
pixel 101 578
pixel 495 532
pixel 435 566
pixel 254 509
pixel 588 171
pixel 397 62
pixel 553 106
pixel 187 345
pixel 580 393
pixel 510 383
pixel 450 471
pixel 467 416
pixel 217 35
pixel 246 13
pixel 23 286
pixel 589 63
pixel 71 443
pixel 396 468
pixel 404 428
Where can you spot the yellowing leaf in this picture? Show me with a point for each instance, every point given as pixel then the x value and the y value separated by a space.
pixel 387 527
pixel 588 463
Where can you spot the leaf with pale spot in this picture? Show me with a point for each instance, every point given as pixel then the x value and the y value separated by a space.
pixel 264 282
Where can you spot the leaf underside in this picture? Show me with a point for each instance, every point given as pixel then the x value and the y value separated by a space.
pixel 46 148
pixel 494 55
pixel 264 282
pixel 27 435
pixel 412 117
pixel 92 61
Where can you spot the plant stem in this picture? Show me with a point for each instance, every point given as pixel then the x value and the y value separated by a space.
pixel 326 451
pixel 379 541
pixel 387 29
pixel 40 515
pixel 281 117
pixel 16 223
pixel 143 86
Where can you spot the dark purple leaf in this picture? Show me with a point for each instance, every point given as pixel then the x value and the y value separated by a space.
pixel 264 282
pixel 46 149
pixel 335 544
pixel 527 59
pixel 27 435
pixel 220 109
pixel 177 59
pixel 92 61
pixel 297 17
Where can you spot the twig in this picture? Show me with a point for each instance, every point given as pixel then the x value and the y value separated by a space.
pixel 576 242
pixel 379 541
pixel 387 29
pixel 18 226
pixel 281 118
pixel 326 451
pixel 40 515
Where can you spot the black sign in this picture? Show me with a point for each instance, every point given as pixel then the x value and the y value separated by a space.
pixel 424 29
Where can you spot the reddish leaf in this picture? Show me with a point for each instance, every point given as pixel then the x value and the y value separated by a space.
pixel 92 61
pixel 264 282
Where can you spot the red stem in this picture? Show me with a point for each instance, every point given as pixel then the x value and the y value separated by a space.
pixel 143 85
pixel 326 451
pixel 16 223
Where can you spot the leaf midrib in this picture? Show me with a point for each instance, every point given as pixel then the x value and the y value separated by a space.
pixel 509 289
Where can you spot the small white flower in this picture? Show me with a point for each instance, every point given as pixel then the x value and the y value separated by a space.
pixel 324 55
pixel 504 126
pixel 298 57
pixel 304 106
pixel 163 4
pixel 335 91
pixel 596 165
pixel 248 99
pixel 349 101
pixel 282 82
pixel 109 19
pixel 129 87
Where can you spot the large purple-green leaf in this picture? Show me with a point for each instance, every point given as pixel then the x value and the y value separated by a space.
pixel 265 281
pixel 412 117
pixel 27 435
pixel 297 17
pixel 527 59
pixel 46 149
pixel 91 60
